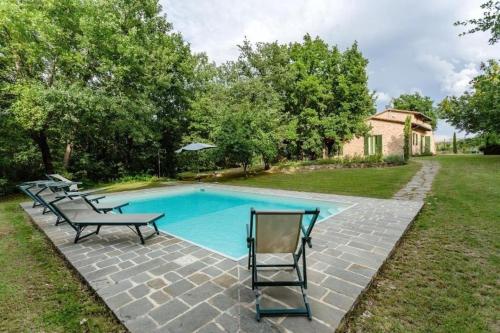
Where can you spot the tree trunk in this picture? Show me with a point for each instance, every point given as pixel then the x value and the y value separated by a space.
pixel 40 139
pixel 67 155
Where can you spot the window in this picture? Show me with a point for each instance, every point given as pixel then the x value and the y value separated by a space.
pixel 415 139
pixel 373 144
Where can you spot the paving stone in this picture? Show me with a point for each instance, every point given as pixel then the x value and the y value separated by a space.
pixel 156 283
pixel 229 323
pixel 178 288
pixel 165 268
pixel 141 278
pixel 199 278
pixel 140 291
pixel 172 277
pixel 222 302
pixel 141 324
pixel 108 262
pixel 118 300
pixel 194 319
pixel 115 289
pixel 201 293
pixel 126 273
pixel 135 309
pixel 348 276
pixel 342 287
pixel 212 271
pixel 225 280
pixel 168 311
pixel 211 328
pixel 159 297
pixel 338 300
pixel 299 325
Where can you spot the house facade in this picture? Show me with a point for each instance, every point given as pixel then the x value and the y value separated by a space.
pixel 386 136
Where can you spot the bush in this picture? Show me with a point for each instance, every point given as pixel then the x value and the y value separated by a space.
pixel 395 159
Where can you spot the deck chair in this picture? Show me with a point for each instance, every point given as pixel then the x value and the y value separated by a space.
pixel 72 187
pixel 57 177
pixel 43 196
pixel 80 203
pixel 79 220
pixel 274 232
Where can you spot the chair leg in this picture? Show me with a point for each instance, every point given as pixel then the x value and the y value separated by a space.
pixel 139 234
pixel 98 229
pixel 156 228
pixel 78 232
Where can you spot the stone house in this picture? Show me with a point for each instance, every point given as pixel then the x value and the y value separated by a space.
pixel 386 135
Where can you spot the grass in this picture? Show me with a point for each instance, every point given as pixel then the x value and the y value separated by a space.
pixel 444 277
pixel 370 182
pixel 38 293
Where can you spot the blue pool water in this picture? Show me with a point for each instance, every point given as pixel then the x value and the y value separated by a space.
pixel 216 219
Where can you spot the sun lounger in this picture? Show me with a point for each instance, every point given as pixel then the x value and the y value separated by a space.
pixel 79 220
pixel 274 232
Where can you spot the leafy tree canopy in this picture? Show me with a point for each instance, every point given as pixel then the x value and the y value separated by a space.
pixel 416 102
pixel 477 110
pixel 490 21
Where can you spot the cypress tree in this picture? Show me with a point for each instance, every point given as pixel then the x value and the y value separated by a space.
pixel 407 136
pixel 455 150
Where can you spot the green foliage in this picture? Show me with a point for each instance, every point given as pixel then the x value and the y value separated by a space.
pixel 407 139
pixel 107 82
pixel 489 22
pixel 416 102
pixel 477 110
pixel 395 159
pixel 99 88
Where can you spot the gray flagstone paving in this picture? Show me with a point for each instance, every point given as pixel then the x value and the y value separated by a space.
pixel 170 285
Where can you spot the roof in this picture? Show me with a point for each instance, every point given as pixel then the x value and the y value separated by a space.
pixel 414 125
pixel 403 111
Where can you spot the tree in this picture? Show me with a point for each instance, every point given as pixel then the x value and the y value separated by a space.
pixel 477 110
pixel 489 22
pixel 324 92
pixel 407 138
pixel 416 102
pixel 97 85
pixel 455 149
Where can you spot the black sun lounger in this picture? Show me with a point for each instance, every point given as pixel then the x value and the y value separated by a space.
pixel 272 232
pixel 81 219
pixel 78 203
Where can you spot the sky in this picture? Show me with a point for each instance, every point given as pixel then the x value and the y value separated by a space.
pixel 412 46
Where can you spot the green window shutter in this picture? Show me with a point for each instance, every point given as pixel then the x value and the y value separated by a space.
pixel 378 144
pixel 366 145
pixel 421 144
pixel 427 144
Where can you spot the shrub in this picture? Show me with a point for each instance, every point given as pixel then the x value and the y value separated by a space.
pixel 395 159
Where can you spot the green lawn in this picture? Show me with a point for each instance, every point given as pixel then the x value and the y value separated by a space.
pixel 369 182
pixel 444 277
pixel 38 293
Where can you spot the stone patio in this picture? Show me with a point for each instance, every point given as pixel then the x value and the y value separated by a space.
pixel 170 285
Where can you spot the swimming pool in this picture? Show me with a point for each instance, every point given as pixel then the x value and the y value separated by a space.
pixel 216 219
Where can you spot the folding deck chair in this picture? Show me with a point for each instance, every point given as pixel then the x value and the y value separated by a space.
pixel 273 232
pixel 80 219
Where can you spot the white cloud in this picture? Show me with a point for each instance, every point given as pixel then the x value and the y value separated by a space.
pixel 382 97
pixel 452 81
